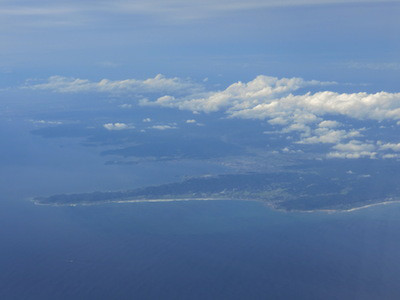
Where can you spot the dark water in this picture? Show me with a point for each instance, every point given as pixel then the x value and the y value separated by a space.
pixel 197 250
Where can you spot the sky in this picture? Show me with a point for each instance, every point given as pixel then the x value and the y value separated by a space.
pixel 346 41
pixel 319 72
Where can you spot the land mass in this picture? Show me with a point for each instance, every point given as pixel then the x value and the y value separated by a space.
pixel 291 190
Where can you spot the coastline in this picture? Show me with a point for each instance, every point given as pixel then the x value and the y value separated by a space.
pixel 270 205
pixel 338 210
pixel 156 200
pixel 371 205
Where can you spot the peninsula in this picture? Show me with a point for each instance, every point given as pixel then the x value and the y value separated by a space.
pixel 286 190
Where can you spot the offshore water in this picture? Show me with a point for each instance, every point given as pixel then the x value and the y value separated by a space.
pixel 197 250
pixel 174 250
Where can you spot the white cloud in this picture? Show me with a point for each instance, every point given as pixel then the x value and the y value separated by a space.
pixel 391 156
pixel 272 99
pixel 46 122
pixel 126 106
pixel 390 146
pixel 163 127
pixel 355 146
pixel 146 120
pixel 306 130
pixel 358 149
pixel 158 84
pixel 191 121
pixel 380 106
pixel 353 149
pixel 264 98
pixel 329 124
pixel 277 121
pixel 117 126
pixel 238 96
pixel 365 176
pixel 287 150
pixel 326 135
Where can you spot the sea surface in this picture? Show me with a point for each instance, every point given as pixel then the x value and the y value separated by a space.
pixel 174 250
pixel 196 250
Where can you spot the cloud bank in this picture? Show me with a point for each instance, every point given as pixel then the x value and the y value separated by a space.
pixel 285 103
pixel 238 96
pixel 308 115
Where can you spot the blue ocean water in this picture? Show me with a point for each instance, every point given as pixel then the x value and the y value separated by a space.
pixel 197 250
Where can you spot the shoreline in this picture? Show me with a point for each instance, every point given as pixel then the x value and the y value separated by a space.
pixel 338 210
pixel 156 200
pixel 270 205
pixel 371 205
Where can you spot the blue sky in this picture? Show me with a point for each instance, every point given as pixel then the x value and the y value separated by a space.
pixel 353 42
pixel 321 73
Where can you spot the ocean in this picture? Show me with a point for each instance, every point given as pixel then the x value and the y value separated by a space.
pixel 197 250
pixel 174 250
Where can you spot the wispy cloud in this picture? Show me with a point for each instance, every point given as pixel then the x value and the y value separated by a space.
pixel 163 127
pixel 175 9
pixel 118 126
pixel 158 84
pixel 378 66
pixel 46 122
pixel 155 6
pixel 55 10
